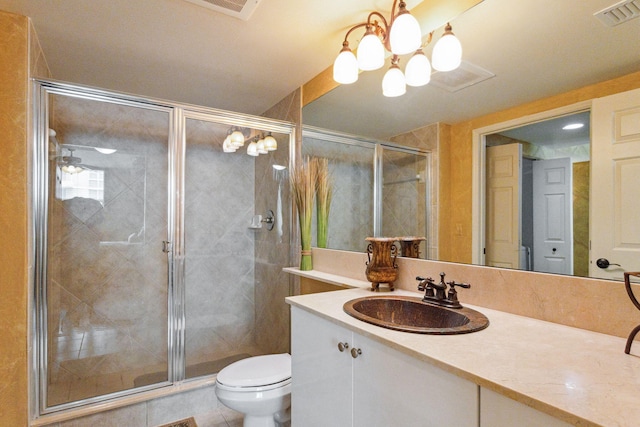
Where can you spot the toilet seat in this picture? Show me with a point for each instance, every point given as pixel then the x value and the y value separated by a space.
pixel 257 373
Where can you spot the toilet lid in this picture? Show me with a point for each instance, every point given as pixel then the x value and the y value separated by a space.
pixel 257 371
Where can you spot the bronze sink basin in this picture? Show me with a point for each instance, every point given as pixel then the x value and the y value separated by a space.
pixel 411 314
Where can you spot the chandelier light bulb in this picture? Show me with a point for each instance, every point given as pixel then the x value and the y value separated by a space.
pixel 345 67
pixel 418 70
pixel 405 35
pixel 261 148
pixel 71 169
pixel 270 143
pixel 447 53
pixel 252 149
pixel 393 82
pixel 227 146
pixel 237 138
pixel 370 52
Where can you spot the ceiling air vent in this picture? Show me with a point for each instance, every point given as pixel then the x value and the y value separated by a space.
pixel 465 75
pixel 619 12
pixel 241 9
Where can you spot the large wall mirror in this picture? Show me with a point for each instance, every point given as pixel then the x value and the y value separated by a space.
pixel 513 53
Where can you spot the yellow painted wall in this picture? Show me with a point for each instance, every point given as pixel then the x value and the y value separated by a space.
pixel 581 219
pixel 14 33
pixel 20 58
pixel 457 234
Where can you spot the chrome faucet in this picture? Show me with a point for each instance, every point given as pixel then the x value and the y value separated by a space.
pixel 435 293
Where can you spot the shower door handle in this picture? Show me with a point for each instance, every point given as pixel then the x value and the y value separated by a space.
pixel 166 247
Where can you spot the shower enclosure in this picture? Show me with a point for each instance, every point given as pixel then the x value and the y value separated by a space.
pixel 147 270
pixel 380 189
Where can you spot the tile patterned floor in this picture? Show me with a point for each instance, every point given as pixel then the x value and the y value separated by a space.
pixel 221 417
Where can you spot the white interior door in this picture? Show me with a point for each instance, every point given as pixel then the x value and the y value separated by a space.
pixel 503 201
pixel 615 184
pixel 552 216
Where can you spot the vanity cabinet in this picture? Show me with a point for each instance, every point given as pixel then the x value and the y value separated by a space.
pixel 369 384
pixel 497 410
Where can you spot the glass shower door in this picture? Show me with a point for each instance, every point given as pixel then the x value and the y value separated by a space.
pixel 106 274
pixel 219 271
pixel 231 266
pixel 406 205
pixel 352 169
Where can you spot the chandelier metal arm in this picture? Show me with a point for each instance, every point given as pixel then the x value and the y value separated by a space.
pixel 355 27
pixel 381 30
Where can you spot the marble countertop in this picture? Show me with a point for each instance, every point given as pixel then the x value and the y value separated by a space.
pixel 578 376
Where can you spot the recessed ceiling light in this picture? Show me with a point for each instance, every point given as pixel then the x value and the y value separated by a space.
pixel 573 126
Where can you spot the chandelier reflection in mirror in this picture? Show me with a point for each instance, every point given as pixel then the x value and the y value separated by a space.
pixel 400 35
pixel 259 143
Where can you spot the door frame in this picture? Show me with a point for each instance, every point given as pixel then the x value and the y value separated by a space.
pixel 478 171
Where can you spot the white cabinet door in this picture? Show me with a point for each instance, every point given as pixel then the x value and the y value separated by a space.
pixel 499 411
pixel 380 387
pixel 321 392
pixel 394 389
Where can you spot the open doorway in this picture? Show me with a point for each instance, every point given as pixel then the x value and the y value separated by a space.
pixel 537 196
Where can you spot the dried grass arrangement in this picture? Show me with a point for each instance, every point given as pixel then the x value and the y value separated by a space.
pixel 303 186
pixel 324 192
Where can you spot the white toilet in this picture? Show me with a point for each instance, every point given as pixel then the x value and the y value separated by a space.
pixel 259 387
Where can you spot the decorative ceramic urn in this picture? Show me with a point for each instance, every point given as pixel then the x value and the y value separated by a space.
pixel 410 246
pixel 381 267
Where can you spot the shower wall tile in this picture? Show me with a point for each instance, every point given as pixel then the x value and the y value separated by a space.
pixel 403 197
pixel 219 247
pixel 351 169
pixel 272 251
pixel 427 138
pixel 272 248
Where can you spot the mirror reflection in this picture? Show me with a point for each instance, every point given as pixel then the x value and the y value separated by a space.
pixel 379 189
pixel 533 55
pixel 546 227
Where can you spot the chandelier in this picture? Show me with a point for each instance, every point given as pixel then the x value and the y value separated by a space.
pixel 261 143
pixel 400 35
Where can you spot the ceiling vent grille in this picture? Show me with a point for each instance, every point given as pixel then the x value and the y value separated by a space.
pixel 464 76
pixel 241 9
pixel 619 12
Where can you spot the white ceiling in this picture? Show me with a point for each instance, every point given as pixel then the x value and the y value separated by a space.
pixel 174 49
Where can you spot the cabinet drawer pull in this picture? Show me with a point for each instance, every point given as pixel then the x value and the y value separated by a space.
pixel 342 346
pixel 355 352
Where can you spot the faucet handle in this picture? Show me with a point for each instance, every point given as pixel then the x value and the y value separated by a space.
pixel 452 295
pixel 424 281
pixel 462 285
